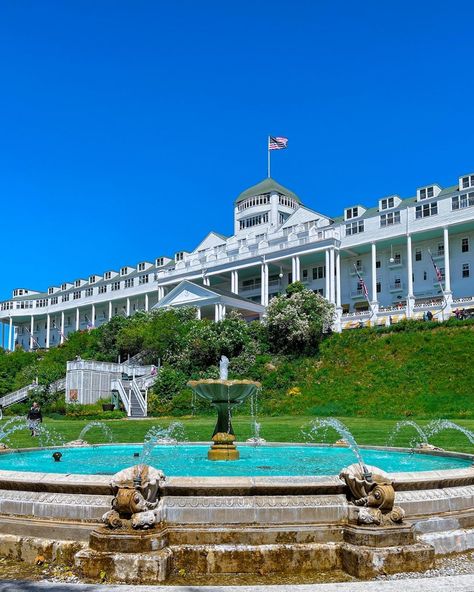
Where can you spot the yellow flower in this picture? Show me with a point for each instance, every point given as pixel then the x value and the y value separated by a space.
pixel 295 390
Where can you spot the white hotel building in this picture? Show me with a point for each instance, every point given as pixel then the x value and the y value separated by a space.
pixel 278 240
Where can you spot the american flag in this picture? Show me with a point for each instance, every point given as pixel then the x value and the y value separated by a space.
pixel 277 143
pixel 439 275
pixel 362 284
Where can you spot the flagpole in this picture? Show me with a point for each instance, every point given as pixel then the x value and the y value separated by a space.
pixel 268 156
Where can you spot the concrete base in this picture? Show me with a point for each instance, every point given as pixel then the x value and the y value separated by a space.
pixel 368 562
pixel 223 452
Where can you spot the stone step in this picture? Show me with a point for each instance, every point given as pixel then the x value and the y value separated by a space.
pixel 450 541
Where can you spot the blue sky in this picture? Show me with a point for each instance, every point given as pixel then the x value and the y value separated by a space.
pixel 128 127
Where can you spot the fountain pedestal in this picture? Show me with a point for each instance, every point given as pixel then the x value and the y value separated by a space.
pixel 223 395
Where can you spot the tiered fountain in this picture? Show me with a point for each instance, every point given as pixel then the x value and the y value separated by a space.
pixel 224 394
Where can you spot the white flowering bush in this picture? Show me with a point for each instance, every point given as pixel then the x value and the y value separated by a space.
pixel 296 320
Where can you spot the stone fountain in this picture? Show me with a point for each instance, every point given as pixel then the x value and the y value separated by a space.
pixel 224 394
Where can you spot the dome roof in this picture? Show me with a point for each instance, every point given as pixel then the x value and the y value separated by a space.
pixel 268 185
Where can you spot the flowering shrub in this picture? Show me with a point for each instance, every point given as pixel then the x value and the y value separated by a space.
pixel 296 320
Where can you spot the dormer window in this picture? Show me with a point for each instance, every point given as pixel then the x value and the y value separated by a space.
pixel 179 256
pixel 467 181
pixel 352 213
pixel 141 267
pixel 159 262
pixel 427 192
pixel 108 275
pixel 77 283
pixel 387 203
pixel 50 290
pixel 92 279
pixel 124 271
pixel 63 286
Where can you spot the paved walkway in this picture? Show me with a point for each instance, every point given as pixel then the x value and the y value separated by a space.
pixel 443 584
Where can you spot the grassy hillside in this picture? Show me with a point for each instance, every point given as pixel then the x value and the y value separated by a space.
pixel 419 371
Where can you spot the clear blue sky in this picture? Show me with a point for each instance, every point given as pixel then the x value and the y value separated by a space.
pixel 128 127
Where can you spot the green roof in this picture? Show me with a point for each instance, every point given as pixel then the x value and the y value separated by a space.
pixel 268 185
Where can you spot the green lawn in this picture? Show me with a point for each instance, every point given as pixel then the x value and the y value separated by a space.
pixel 276 429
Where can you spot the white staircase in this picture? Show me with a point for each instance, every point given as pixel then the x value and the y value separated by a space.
pixel 133 395
pixel 23 393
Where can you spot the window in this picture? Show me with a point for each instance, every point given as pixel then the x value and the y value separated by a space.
pixel 141 267
pixel 465 245
pixel 378 286
pixel 143 279
pixel 76 295
pixel 429 209
pixel 65 298
pixel 63 286
pixel 179 256
pixel 387 203
pixel 352 213
pixel 465 200
pixel 319 272
pixel 108 275
pixel 77 283
pixel 467 181
pixel 92 279
pixel 89 292
pixel 418 255
pixel 129 283
pixel 425 275
pixel 124 271
pixel 50 290
pixel 378 264
pixel 465 270
pixel 54 300
pixel 440 251
pixel 284 200
pixel 319 291
pixel 159 262
pixel 254 221
pixel 102 289
pixel 354 228
pixel 258 200
pixel 427 192
pixel 115 286
pixel 390 219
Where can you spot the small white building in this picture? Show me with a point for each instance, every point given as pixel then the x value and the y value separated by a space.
pixel 388 247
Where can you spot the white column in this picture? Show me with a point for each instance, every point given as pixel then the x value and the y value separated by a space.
pixel 234 282
pixel 331 276
pixel 198 313
pixel 295 265
pixel 110 309
pixel 374 273
pixel 61 337
pixel 128 307
pixel 326 288
pixel 48 329
pixel 32 328
pixel 338 279
pixel 93 315
pixel 223 312
pixel 3 334
pixel 206 281
pixel 78 319
pixel 146 302
pixel 410 295
pixel 264 285
pixel 10 335
pixel 447 267
pixel 161 293
pixel 216 313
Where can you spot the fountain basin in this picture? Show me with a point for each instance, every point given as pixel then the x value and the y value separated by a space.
pixel 237 523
